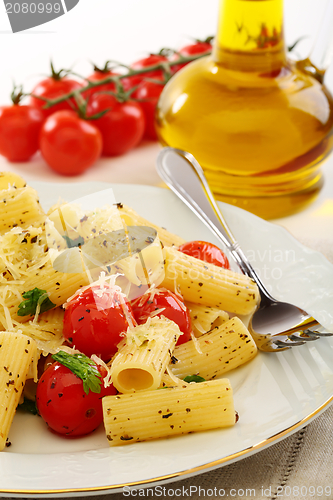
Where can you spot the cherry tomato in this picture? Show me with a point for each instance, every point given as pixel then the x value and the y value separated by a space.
pixel 94 321
pixel 97 76
pixel 152 60
pixel 19 131
pixel 205 251
pixel 122 127
pixel 51 88
pixel 69 144
pixel 172 307
pixel 200 47
pixel 148 94
pixel 64 405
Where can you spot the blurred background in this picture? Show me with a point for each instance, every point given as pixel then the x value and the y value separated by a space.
pixel 98 30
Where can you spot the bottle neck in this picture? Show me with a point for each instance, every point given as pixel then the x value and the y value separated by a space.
pixel 250 35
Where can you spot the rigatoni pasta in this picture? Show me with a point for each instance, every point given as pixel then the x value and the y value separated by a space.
pixel 222 349
pixel 205 318
pixel 16 354
pixel 204 283
pixel 132 218
pixel 140 363
pixel 20 207
pixel 142 416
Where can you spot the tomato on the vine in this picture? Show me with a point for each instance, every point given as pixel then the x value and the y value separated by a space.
pixel 98 75
pixel 205 251
pixel 19 131
pixel 123 125
pixel 95 320
pixel 199 47
pixel 153 59
pixel 69 144
pixel 148 94
pixel 65 406
pixel 170 305
pixel 52 87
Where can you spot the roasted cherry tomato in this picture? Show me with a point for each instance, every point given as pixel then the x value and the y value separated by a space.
pixel 152 60
pixel 19 131
pixel 52 87
pixel 170 305
pixel 95 319
pixel 122 127
pixel 205 251
pixel 148 94
pixel 65 406
pixel 199 47
pixel 69 144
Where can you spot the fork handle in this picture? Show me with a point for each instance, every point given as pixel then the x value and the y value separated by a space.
pixel 183 174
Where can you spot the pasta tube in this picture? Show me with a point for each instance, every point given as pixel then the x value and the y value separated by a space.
pixel 142 416
pixel 20 207
pixel 16 354
pixel 205 318
pixel 131 218
pixel 8 179
pixel 58 286
pixel 222 349
pixel 147 350
pixel 204 283
pixel 46 332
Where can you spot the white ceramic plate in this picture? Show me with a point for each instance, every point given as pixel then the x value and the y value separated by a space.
pixel 275 394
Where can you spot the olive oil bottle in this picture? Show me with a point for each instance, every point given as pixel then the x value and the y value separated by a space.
pixel 258 123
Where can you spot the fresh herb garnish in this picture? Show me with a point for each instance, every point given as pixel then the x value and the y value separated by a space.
pixel 83 367
pixel 28 406
pixel 78 242
pixel 32 297
pixel 194 378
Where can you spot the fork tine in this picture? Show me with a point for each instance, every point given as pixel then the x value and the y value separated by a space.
pixel 319 334
pixel 288 342
pixel 281 342
pixel 309 338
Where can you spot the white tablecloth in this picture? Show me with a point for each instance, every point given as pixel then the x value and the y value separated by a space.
pixel 305 458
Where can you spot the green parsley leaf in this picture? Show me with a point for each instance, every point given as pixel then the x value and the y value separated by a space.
pixel 28 406
pixel 29 305
pixel 194 378
pixel 78 242
pixel 83 367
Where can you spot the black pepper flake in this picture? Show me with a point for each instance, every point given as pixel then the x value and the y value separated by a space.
pixel 126 438
pixel 174 360
pixel 167 415
pixel 200 284
pixel 188 410
pixel 80 319
pixel 88 310
pixel 57 283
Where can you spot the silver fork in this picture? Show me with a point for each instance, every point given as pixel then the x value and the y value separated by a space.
pixel 275 325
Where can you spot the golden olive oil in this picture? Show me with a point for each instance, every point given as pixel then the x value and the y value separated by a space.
pixel 258 123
